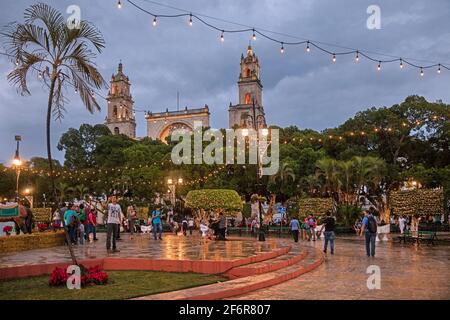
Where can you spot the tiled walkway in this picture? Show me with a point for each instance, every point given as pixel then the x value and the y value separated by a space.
pixel 171 247
pixel 407 272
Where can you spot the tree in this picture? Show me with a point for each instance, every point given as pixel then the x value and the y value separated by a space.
pixel 80 145
pixel 213 199
pixel 61 56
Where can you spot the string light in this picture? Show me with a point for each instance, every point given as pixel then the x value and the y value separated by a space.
pixel 282 48
pixel 119 5
pixel 379 66
pixel 222 39
pixel 421 71
pixel 270 38
pixel 190 19
pixel 154 21
pixel 439 68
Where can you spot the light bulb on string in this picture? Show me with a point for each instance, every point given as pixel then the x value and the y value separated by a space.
pixel 379 66
pixel 190 19
pixel 254 35
pixel 357 56
pixel 154 21
pixel 222 39
pixel 421 71
pixel 334 57
pixel 282 48
pixel 119 5
pixel 401 64
pixel 439 68
pixel 307 47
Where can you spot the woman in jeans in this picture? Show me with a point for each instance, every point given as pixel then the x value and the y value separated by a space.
pixel 131 216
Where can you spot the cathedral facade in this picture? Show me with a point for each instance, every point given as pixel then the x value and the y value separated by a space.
pixel 247 113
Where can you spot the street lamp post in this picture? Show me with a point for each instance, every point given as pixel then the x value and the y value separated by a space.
pixel 17 163
pixel 261 235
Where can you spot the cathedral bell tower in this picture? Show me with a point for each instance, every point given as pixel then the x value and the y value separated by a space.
pixel 120 118
pixel 250 91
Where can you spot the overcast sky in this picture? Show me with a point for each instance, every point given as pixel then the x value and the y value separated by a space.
pixel 301 89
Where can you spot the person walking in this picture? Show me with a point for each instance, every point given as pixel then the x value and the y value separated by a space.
pixel 312 226
pixel 71 221
pixel 222 226
pixel 191 225
pixel 131 216
pixel 92 224
pixel 184 223
pixel 112 225
pixel 295 227
pixel 401 224
pixel 156 222
pixel 328 224
pixel 307 229
pixel 369 228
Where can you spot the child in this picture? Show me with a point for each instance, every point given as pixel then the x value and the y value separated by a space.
pixel 81 233
pixel 204 229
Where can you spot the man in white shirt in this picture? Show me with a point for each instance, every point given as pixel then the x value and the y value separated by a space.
pixel 401 224
pixel 112 225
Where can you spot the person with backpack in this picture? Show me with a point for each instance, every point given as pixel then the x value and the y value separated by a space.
pixel 156 222
pixel 71 221
pixel 369 228
pixel 328 225
pixel 295 228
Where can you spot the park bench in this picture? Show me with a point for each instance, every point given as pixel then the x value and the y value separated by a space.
pixel 408 236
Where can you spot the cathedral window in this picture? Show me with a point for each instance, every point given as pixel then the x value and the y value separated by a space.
pixel 116 130
pixel 115 112
pixel 247 98
pixel 248 73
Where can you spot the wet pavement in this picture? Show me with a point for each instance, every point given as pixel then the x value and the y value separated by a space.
pixel 407 272
pixel 142 246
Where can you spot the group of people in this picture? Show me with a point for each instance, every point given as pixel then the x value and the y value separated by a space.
pixel 368 229
pixel 79 220
pixel 309 225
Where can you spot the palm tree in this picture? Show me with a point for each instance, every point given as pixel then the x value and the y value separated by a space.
pixel 82 190
pixel 328 170
pixel 280 182
pixel 63 189
pixel 60 55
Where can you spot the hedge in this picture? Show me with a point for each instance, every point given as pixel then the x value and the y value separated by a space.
pixel 315 206
pixel 417 202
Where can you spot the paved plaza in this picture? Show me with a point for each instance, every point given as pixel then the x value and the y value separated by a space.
pixel 407 271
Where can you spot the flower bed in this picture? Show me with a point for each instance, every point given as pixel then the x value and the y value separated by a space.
pixel 35 240
pixel 92 276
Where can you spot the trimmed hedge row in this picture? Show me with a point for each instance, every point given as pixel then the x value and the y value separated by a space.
pixel 37 240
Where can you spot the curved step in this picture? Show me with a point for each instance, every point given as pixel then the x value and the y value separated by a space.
pixel 243 285
pixel 280 262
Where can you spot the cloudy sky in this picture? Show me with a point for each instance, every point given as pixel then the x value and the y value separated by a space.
pixel 301 89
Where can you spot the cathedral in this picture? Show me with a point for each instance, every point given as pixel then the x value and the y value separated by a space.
pixel 246 114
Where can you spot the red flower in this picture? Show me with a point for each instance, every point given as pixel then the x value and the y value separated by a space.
pixel 7 229
pixel 94 275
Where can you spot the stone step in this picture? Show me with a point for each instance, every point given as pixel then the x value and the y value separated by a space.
pixel 239 286
pixel 277 263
